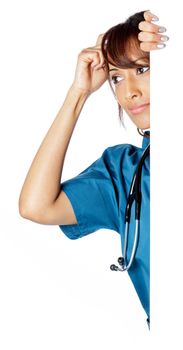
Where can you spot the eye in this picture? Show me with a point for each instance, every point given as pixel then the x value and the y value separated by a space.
pixel 116 79
pixel 142 70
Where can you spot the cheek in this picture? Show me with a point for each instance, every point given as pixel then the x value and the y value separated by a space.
pixel 146 88
pixel 120 95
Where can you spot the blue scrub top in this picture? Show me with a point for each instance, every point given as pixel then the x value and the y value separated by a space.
pixel 98 196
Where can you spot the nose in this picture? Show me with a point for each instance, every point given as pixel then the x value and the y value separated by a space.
pixel 132 89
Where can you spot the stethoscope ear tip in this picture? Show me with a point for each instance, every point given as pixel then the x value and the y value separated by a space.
pixel 114 267
pixel 121 261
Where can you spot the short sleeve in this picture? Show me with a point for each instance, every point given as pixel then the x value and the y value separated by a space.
pixel 93 195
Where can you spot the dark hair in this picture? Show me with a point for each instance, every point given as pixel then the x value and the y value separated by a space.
pixel 120 41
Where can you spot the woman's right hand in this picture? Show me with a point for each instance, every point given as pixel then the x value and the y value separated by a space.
pixel 90 72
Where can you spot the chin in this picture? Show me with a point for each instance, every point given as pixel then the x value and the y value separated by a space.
pixel 143 126
pixel 142 123
pixel 142 120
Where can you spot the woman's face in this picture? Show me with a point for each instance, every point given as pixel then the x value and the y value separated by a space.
pixel 132 89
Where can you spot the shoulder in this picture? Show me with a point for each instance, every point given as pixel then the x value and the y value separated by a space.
pixel 121 151
pixel 121 159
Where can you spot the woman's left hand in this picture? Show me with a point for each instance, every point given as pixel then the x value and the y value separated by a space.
pixel 152 35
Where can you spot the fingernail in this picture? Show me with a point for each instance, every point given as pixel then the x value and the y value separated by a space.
pixel 160 46
pixel 93 65
pixel 155 18
pixel 161 30
pixel 164 38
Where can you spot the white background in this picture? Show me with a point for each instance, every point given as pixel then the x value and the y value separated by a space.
pixel 56 293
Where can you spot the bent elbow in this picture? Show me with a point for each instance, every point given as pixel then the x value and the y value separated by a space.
pixel 33 213
pixel 25 212
pixel 28 212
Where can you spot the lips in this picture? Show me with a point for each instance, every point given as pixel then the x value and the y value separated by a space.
pixel 138 108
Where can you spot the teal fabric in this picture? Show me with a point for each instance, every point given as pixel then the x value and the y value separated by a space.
pixel 98 196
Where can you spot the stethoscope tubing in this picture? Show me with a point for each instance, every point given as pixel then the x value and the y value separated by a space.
pixel 135 242
pixel 134 195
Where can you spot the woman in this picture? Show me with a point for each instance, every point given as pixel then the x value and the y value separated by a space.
pixel 97 197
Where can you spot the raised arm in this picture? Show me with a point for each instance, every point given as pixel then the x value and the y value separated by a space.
pixel 40 198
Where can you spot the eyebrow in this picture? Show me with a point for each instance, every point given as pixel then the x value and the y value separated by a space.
pixel 113 69
pixel 141 59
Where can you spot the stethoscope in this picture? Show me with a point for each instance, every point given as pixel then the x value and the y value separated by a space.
pixel 134 195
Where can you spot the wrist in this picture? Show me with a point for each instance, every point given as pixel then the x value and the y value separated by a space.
pixel 79 92
pixel 74 101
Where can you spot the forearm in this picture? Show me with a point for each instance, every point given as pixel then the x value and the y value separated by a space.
pixel 42 184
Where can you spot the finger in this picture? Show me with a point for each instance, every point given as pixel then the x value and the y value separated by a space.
pixel 99 40
pixel 97 47
pixel 100 63
pixel 89 57
pixel 151 27
pixel 149 16
pixel 94 57
pixel 149 46
pixel 151 37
